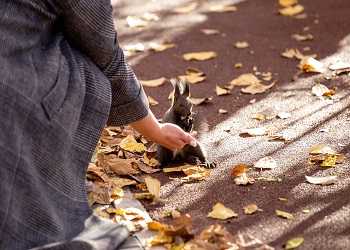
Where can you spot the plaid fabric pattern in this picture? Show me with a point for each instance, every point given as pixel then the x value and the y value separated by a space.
pixel 63 76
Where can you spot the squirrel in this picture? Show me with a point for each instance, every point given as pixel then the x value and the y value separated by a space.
pixel 180 113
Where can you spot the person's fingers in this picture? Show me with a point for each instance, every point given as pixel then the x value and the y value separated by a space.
pixel 193 133
pixel 188 139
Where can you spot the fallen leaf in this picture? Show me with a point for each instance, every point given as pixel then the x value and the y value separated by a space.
pixel 193 78
pixel 294 243
pixel 151 101
pixel 153 185
pixel 322 149
pixel 309 64
pixel 238 65
pixel 284 214
pixel 284 115
pixel 130 144
pixel 266 162
pixel 286 3
pixel 221 91
pixel 217 235
pixel 330 161
pixel 243 179
pixel 134 21
pixel 273 179
pixel 161 47
pixel 241 45
pixel 159 239
pixel 238 170
pixel 200 56
pixel 222 8
pixel 150 16
pixel 187 9
pixel 156 226
pixel 256 131
pixel 153 83
pixel 117 193
pixel 258 117
pixel 209 32
pixel 307 37
pixel 320 89
pixel 322 180
pixel 195 173
pixel 118 166
pixel 222 111
pixel 198 101
pixel 291 10
pixel 256 88
pixel 221 212
pixel 251 208
pixel 245 79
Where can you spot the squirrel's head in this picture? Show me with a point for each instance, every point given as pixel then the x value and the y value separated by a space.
pixel 182 104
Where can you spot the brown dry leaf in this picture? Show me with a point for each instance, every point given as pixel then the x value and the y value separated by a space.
pixel 221 212
pixel 200 56
pixel 257 131
pixel 134 21
pixel 121 182
pixel 287 3
pixel 119 166
pixel 245 79
pixel 309 64
pixel 95 172
pixel 153 83
pixel 222 8
pixel 117 193
pixel 322 149
pixel 221 91
pixel 251 208
pixel 238 65
pixel 238 170
pixel 241 45
pixel 150 161
pixel 292 10
pixel 100 193
pixel 256 88
pixel 130 144
pixel 222 111
pixel 243 179
pixel 151 101
pixel 160 239
pixel 181 227
pixel 161 47
pixel 327 180
pixel 195 173
pixel 176 169
pixel 209 32
pixel 219 236
pixel 193 78
pixel 307 37
pixel 198 101
pixel 187 9
pixel 284 214
pixel 289 53
pixel 153 185
pixel 265 163
pixel 142 196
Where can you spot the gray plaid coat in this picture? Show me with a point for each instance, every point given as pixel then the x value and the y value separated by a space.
pixel 62 77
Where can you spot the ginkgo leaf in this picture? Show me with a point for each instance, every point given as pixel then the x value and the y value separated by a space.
pixel 134 21
pixel 221 91
pixel 286 3
pixel 210 32
pixel 187 9
pixel 151 101
pixel 161 47
pixel 200 56
pixel 291 10
pixel 221 212
pixel 257 88
pixel 309 64
pixel 222 8
pixel 284 214
pixel 242 45
pixel 322 149
pixel 256 131
pixel 251 208
pixel 266 162
pixel 153 83
pixel 294 243
pixel 245 79
pixel 322 180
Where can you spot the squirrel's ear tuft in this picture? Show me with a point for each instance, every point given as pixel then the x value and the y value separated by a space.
pixel 176 85
pixel 185 87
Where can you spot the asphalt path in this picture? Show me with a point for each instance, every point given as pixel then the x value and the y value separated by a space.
pixel 321 214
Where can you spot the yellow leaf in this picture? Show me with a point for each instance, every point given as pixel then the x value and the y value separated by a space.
pixel 241 45
pixel 186 9
pixel 294 243
pixel 284 214
pixel 238 170
pixel 222 8
pixel 117 193
pixel 243 179
pixel 198 101
pixel 209 32
pixel 221 212
pixel 153 185
pixel 245 79
pixel 303 37
pixel 286 3
pixel 151 101
pixel 156 226
pixel 153 83
pixel 200 56
pixel 134 21
pixel 161 47
pixel 309 64
pixel 291 10
pixel 222 111
pixel 221 91
pixel 251 208
pixel 256 131
pixel 256 88
pixel 322 149
pixel 193 78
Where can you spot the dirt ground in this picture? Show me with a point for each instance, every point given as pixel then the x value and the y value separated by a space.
pixel 320 213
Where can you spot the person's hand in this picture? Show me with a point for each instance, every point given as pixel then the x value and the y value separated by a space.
pixel 173 137
pixel 167 135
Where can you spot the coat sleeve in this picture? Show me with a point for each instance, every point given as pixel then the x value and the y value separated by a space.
pixel 88 26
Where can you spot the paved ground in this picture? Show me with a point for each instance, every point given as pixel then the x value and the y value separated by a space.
pixel 312 122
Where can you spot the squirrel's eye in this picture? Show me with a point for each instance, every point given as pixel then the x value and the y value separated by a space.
pixel 181 105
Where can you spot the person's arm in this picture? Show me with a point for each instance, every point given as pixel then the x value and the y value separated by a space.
pixel 168 135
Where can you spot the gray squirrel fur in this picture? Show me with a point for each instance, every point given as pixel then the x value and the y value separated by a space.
pixel 180 113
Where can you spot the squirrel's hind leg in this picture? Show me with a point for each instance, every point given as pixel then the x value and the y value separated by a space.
pixel 165 156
